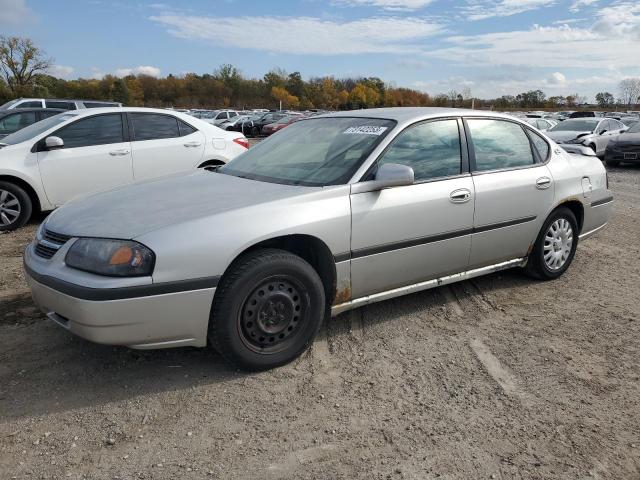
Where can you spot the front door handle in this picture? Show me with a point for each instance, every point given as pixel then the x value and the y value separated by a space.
pixel 462 195
pixel 192 144
pixel 119 153
pixel 543 183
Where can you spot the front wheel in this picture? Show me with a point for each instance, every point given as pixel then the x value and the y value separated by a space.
pixel 555 246
pixel 15 206
pixel 267 309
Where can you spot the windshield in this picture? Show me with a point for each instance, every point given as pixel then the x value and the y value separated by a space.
pixel 8 104
pixel 36 129
pixel 314 152
pixel 582 125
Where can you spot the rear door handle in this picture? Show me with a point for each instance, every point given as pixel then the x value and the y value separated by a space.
pixel 462 195
pixel 192 144
pixel 543 183
pixel 119 153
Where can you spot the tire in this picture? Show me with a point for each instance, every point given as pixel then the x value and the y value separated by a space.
pixel 15 206
pixel 556 248
pixel 267 310
pixel 594 148
pixel 612 163
pixel 255 131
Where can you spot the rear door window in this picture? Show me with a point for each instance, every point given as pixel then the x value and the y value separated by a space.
pixel 152 126
pixel 499 144
pixel 96 130
pixel 185 128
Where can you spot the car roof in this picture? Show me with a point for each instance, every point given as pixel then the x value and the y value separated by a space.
pixel 408 114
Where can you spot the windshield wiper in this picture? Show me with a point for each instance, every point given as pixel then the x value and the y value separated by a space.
pixel 3 144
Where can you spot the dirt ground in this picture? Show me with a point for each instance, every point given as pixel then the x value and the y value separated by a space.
pixel 501 377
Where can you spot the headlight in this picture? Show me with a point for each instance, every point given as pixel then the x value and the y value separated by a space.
pixel 114 258
pixel 576 141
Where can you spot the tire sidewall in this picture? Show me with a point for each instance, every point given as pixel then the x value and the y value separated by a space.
pixel 26 206
pixel 224 324
pixel 539 249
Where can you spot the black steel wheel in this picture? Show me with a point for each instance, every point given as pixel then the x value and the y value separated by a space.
pixel 271 315
pixel 267 309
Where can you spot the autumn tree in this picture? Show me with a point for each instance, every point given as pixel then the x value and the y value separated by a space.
pixel 280 94
pixel 20 61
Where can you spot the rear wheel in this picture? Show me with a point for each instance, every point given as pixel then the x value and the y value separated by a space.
pixel 15 206
pixel 555 246
pixel 267 310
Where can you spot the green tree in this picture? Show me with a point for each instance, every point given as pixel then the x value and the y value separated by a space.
pixel 605 99
pixel 120 92
pixel 20 61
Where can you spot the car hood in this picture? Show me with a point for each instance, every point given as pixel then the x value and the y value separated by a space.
pixel 130 211
pixel 564 136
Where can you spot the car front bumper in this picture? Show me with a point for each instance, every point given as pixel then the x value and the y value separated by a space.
pixel 163 320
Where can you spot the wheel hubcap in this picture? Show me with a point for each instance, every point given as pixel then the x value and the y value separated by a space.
pixel 558 242
pixel 272 314
pixel 10 208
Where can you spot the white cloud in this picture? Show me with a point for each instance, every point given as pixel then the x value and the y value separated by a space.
pixel 14 11
pixel 482 9
pixel 611 42
pixel 61 71
pixel 577 5
pixel 304 35
pixel 498 85
pixel 556 78
pixel 389 4
pixel 141 70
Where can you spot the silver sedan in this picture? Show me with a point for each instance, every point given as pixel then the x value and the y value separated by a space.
pixel 332 213
pixel 593 133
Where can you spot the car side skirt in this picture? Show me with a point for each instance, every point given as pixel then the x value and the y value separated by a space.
pixel 426 285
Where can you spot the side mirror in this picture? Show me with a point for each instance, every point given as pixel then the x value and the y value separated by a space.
pixel 603 132
pixel 53 143
pixel 388 175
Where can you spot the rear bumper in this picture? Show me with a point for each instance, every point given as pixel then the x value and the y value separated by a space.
pixel 618 156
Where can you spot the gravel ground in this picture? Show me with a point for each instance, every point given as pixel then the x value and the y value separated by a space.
pixel 500 377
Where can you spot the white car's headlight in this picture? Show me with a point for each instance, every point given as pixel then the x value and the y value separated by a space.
pixel 114 258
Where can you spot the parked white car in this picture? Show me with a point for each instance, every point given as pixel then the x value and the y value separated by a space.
pixel 50 162
pixel 219 117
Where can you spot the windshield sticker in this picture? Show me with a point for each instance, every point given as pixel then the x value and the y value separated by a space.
pixel 366 130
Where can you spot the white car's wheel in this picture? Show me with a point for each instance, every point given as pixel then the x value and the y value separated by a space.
pixel 15 206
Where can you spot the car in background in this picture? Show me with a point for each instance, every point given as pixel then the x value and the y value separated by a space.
pixel 594 133
pixel 272 128
pixel 583 115
pixel 625 148
pixel 219 116
pixel 255 126
pixel 13 120
pixel 59 103
pixel 541 124
pixel 333 213
pixel 49 163
pixel 629 120
pixel 235 123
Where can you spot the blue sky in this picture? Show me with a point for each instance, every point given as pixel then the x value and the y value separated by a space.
pixel 492 47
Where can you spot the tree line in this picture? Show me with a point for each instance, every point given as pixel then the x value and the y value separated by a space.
pixel 24 68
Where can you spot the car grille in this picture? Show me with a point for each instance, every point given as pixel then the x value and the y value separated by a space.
pixel 50 243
